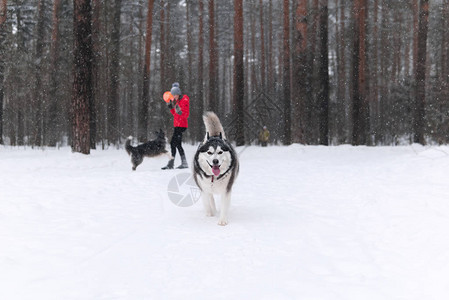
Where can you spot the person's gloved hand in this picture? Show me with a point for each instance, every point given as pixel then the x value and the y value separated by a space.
pixel 170 104
pixel 178 110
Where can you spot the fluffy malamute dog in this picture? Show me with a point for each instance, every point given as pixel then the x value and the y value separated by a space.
pixel 215 167
pixel 152 148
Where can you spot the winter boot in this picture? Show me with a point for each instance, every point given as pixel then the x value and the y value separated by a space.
pixel 183 164
pixel 170 164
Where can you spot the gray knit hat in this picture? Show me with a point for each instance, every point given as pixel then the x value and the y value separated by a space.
pixel 175 90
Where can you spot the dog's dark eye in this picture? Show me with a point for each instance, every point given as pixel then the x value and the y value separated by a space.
pixel 221 152
pixel 210 153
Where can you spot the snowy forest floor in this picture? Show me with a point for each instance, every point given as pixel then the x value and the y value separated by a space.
pixel 306 222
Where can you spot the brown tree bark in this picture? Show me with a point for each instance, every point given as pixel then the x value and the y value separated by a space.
pixel 212 100
pixel 287 139
pixel 239 93
pixel 95 72
pixel 53 107
pixel 420 74
pixel 38 96
pixel 200 100
pixel 163 45
pixel 82 77
pixel 114 77
pixel 299 72
pixel 270 66
pixel 360 111
pixel 341 122
pixel 144 103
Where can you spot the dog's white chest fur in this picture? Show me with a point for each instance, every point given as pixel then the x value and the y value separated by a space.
pixel 215 168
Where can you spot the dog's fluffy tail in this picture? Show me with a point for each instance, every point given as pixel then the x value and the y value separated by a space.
pixel 128 146
pixel 213 125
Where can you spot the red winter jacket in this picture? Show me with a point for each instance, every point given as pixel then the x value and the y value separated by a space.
pixel 181 120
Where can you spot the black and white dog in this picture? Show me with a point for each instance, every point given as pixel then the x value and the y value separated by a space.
pixel 215 167
pixel 149 149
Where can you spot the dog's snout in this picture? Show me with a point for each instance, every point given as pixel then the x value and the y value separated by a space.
pixel 215 161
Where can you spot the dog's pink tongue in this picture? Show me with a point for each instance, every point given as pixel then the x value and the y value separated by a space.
pixel 216 170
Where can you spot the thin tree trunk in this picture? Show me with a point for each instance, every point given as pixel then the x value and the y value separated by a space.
pixel 375 77
pixel 270 48
pixel 53 109
pixel 420 75
pixel 360 104
pixel 190 73
pixel 3 12
pixel 341 92
pixel 113 103
pixel 38 86
pixel 144 104
pixel 82 77
pixel 323 95
pixel 199 133
pixel 164 48
pixel 239 92
pixel 213 58
pixel 253 78
pixel 415 7
pixel 262 47
pixel 95 71
pixel 287 139
pixel 445 44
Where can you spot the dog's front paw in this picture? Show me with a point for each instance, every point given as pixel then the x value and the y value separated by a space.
pixel 209 214
pixel 222 222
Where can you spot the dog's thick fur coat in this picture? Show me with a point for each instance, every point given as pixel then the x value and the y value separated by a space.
pixel 152 148
pixel 215 167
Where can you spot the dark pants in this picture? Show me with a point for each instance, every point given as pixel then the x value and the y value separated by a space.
pixel 176 141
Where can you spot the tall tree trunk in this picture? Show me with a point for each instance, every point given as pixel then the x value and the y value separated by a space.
pixel 360 105
pixel 312 90
pixel 445 44
pixel 420 75
pixel 82 77
pixel 95 71
pixel 53 129
pixel 3 12
pixel 38 87
pixel 199 133
pixel 239 92
pixel 299 71
pixel 342 122
pixel 163 45
pixel 323 95
pixel 113 103
pixel 190 73
pixel 213 59
pixel 253 77
pixel 287 140
pixel 270 48
pixel 144 104
pixel 415 6
pixel 262 47
pixel 375 78
pixel 189 43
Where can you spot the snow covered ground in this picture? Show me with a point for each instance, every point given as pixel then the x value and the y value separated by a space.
pixel 305 223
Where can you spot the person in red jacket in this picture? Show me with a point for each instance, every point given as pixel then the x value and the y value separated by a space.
pixel 179 108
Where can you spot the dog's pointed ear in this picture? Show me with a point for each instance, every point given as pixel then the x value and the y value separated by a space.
pixel 221 136
pixel 207 135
